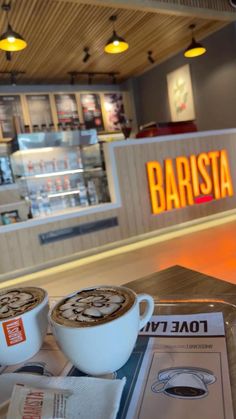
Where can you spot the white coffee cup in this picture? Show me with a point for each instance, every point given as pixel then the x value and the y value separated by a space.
pixel 103 348
pixel 21 335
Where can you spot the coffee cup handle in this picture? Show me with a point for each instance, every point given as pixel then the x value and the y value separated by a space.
pixel 148 309
pixel 156 387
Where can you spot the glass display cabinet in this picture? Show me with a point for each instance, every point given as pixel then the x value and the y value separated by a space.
pixel 56 171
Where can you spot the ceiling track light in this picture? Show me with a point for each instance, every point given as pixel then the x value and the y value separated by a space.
pixel 90 78
pixel 92 74
pixel 86 55
pixel 10 40
pixel 195 49
pixel 8 55
pixel 113 77
pixel 13 78
pixel 13 75
pixel 150 57
pixel 72 75
pixel 115 44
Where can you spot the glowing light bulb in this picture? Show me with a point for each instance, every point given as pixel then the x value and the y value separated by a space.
pixel 11 39
pixel 116 43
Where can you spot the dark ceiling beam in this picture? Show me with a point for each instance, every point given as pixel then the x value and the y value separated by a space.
pixel 219 10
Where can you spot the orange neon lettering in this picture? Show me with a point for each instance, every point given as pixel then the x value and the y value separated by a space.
pixel 172 196
pixel 194 173
pixel 184 178
pixel 176 186
pixel 203 161
pixel 214 157
pixel 225 177
pixel 155 181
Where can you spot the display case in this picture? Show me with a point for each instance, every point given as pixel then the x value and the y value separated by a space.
pixel 12 207
pixel 57 171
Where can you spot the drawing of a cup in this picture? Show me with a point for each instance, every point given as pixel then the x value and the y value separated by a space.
pixel 183 383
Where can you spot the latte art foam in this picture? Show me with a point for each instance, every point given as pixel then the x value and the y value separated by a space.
pixel 93 306
pixel 14 302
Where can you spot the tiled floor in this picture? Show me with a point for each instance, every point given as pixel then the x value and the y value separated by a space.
pixel 211 250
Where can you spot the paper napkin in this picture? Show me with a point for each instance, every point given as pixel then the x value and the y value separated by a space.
pixel 92 398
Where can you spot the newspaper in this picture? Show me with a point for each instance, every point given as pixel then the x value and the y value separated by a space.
pixel 178 369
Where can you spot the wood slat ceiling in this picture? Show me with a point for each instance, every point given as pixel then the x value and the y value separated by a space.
pixel 57 32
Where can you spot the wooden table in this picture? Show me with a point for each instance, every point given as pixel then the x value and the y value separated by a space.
pixel 183 282
pixel 189 291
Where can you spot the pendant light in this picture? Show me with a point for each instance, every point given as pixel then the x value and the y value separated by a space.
pixel 11 40
pixel 195 49
pixel 115 43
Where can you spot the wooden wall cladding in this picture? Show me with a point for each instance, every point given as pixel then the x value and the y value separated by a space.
pixel 21 249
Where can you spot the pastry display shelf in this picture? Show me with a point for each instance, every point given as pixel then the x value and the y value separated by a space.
pixel 60 173
pixel 63 193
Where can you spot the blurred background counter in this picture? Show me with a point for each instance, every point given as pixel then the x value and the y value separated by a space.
pixel 81 196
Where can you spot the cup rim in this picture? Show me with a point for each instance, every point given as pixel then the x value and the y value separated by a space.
pixel 179 375
pixel 44 300
pixel 96 325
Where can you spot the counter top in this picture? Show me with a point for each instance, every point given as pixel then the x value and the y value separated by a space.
pixel 183 283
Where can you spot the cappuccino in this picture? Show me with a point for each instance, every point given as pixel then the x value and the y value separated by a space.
pixel 97 327
pixel 16 301
pixel 92 307
pixel 186 391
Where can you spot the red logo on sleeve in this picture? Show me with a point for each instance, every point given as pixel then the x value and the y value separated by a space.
pixel 14 331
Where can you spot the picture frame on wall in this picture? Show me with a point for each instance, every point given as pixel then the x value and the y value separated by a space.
pixel 114 111
pixel 66 107
pixel 39 109
pixel 10 107
pixel 92 111
pixel 180 94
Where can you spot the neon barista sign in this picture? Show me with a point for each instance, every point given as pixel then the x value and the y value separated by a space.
pixel 183 179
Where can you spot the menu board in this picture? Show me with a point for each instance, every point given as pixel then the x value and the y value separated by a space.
pixel 92 112
pixel 115 112
pixel 39 109
pixel 9 106
pixel 66 107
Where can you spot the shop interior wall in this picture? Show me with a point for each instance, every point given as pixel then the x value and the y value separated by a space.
pixel 23 90
pixel 21 250
pixel 213 81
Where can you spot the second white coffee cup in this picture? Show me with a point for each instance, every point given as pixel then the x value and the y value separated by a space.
pixel 103 348
pixel 22 334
